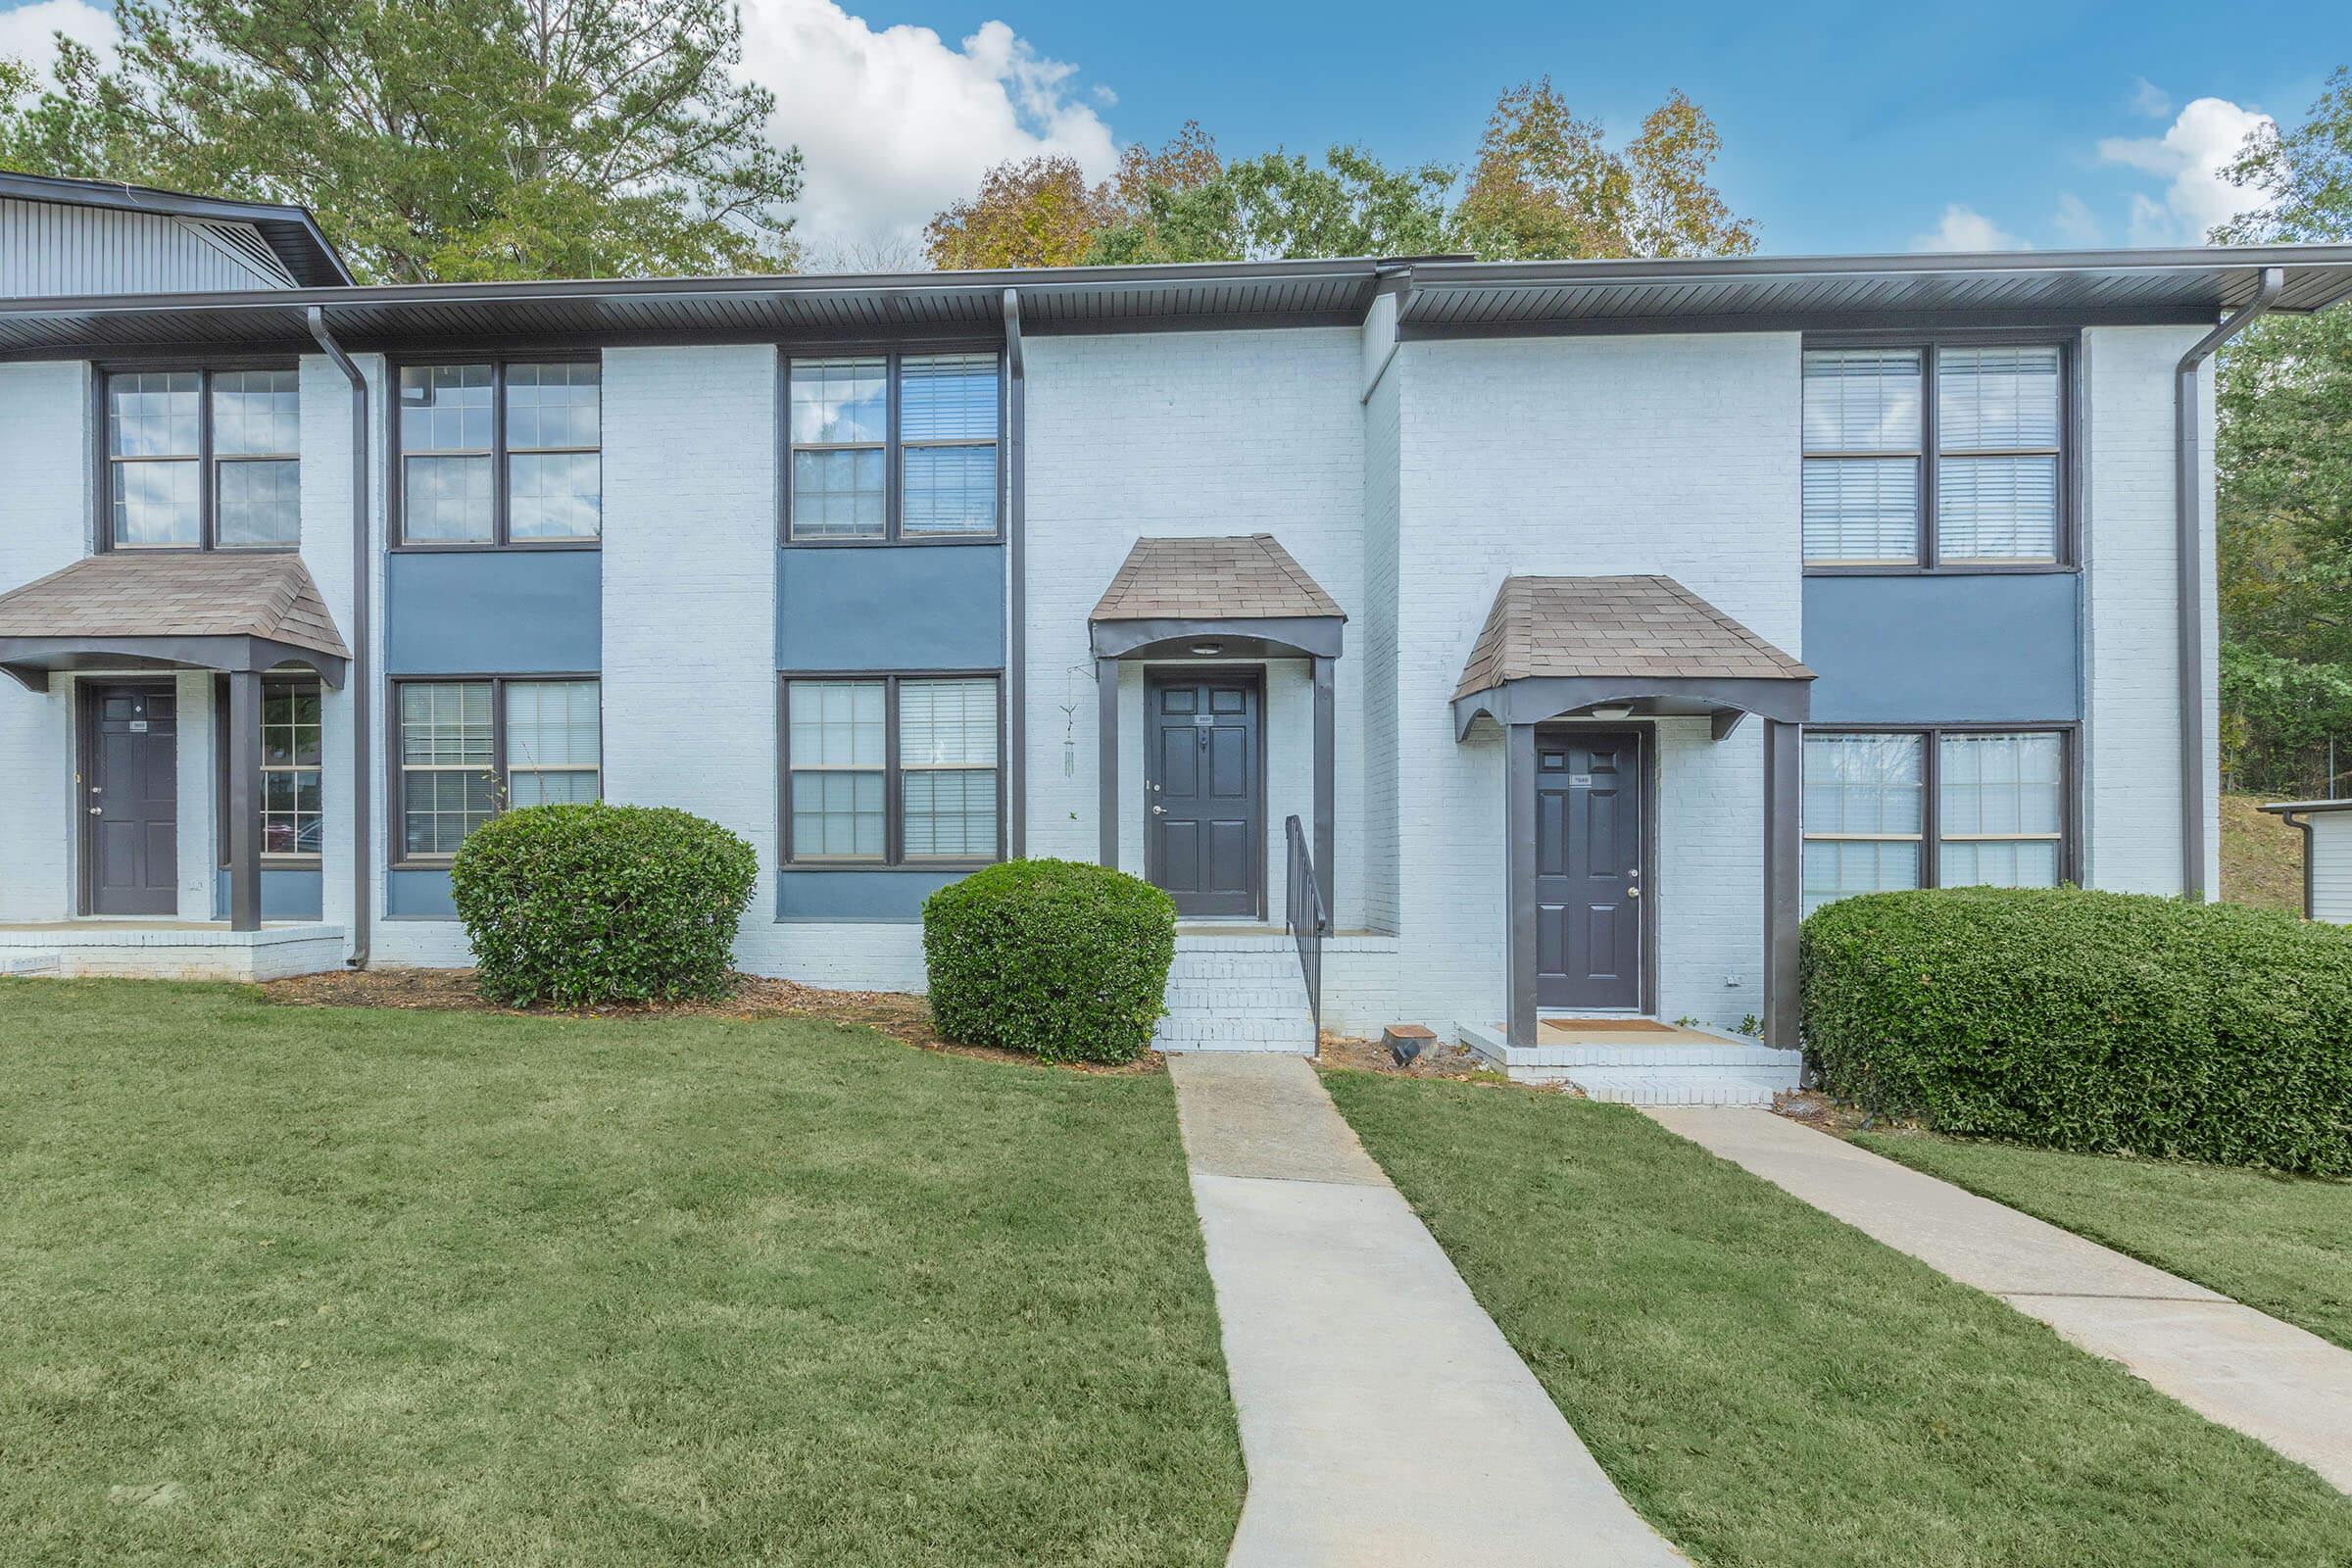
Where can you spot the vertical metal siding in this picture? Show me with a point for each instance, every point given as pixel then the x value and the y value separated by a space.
pixel 48 249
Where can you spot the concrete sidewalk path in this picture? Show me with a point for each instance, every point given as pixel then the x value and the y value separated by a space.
pixel 1384 1419
pixel 2274 1382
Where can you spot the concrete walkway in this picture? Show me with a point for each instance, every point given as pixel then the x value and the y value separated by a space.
pixel 1384 1419
pixel 2270 1380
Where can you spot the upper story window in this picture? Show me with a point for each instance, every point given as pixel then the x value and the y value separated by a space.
pixel 501 454
pixel 203 460
pixel 1971 476
pixel 894 447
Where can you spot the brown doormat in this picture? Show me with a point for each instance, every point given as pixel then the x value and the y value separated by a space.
pixel 1613 1026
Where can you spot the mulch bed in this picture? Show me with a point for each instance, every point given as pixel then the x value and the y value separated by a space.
pixel 1439 1060
pixel 901 1017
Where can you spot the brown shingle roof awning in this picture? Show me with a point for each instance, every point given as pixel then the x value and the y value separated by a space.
pixel 182 609
pixel 1553 645
pixel 1245 592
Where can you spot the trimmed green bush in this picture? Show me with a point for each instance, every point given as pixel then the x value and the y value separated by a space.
pixel 583 905
pixel 1066 961
pixel 2102 1022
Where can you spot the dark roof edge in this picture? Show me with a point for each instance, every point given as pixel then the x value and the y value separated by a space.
pixel 2281 807
pixel 289 230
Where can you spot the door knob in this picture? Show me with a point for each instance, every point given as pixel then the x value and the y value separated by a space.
pixel 1160 811
pixel 97 811
pixel 1633 893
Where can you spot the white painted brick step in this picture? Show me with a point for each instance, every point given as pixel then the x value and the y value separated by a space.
pixel 1241 992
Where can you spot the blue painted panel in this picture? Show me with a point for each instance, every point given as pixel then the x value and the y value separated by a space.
pixel 494 612
pixel 1929 650
pixel 418 896
pixel 285 895
pixel 904 607
pixel 857 895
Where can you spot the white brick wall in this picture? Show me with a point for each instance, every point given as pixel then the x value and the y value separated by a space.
pixel 45 525
pixel 326 459
pixel 1376 644
pixel 2131 840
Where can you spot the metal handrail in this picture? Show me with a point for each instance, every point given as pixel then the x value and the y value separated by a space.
pixel 1305 918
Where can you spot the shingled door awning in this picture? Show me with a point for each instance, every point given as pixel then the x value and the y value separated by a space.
pixel 185 610
pixel 1245 594
pixel 1554 645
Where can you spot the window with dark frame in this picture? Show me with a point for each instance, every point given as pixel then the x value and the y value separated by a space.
pixel 292 770
pixel 892 769
pixel 1889 810
pixel 1934 456
pixel 203 460
pixel 500 453
pixel 466 750
pixel 898 447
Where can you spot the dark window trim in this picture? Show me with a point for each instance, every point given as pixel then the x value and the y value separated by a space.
pixel 269 684
pixel 894 478
pixel 396 520
pixel 206 463
pixel 892 857
pixel 2071 406
pixel 398 858
pixel 2070 774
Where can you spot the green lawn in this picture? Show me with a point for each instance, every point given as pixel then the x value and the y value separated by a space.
pixel 2280 1243
pixel 371 1285
pixel 1769 1387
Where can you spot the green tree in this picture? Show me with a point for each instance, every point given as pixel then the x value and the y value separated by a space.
pixel 1280 205
pixel 440 140
pixel 2283 455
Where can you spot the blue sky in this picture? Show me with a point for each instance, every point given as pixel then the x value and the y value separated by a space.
pixel 1846 126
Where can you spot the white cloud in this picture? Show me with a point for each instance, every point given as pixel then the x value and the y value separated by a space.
pixel 27 33
pixel 1964 229
pixel 896 124
pixel 2189 157
pixel 2077 223
pixel 2149 99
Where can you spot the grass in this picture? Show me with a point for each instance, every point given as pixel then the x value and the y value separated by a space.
pixel 2262 856
pixel 2282 1244
pixel 1772 1388
pixel 370 1285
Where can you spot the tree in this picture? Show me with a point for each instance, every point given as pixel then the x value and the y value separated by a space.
pixel 2283 457
pixel 1547 185
pixel 1280 205
pixel 441 139
pixel 1041 212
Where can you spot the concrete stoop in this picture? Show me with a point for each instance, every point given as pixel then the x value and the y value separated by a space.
pixel 1241 993
pixel 1697 1067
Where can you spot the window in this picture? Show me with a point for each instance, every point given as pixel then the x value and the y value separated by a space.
pixel 1991 492
pixel 1998 799
pixel 894 447
pixel 203 460
pixel 501 454
pixel 467 749
pixel 293 817
pixel 891 770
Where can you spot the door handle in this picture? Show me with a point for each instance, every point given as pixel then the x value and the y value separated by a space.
pixel 97 811
pixel 1160 811
pixel 1633 893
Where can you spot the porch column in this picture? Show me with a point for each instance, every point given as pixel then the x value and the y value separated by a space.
pixel 1106 743
pixel 1519 829
pixel 1783 856
pixel 244 804
pixel 1326 785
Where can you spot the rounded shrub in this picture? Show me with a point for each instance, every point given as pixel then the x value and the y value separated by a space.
pixel 1066 961
pixel 581 904
pixel 2104 1023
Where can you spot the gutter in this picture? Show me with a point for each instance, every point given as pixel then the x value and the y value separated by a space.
pixel 1016 558
pixel 2301 823
pixel 361 681
pixel 2188 549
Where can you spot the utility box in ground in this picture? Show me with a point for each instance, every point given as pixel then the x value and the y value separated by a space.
pixel 2327 827
pixel 1406 1040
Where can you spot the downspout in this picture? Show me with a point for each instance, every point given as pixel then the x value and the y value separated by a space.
pixel 362 679
pixel 1016 673
pixel 2301 823
pixel 2188 545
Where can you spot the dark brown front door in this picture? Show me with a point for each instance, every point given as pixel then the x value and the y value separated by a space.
pixel 1204 821
pixel 1588 869
pixel 130 800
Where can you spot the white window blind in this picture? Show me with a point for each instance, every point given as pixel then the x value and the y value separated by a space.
pixel 1862 433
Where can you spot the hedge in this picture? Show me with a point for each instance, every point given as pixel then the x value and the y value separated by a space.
pixel 582 904
pixel 2104 1023
pixel 1066 961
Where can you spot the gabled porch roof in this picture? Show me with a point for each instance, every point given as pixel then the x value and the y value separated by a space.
pixel 1245 592
pixel 177 610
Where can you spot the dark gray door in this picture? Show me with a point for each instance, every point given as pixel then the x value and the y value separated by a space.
pixel 130 800
pixel 1204 823
pixel 1588 869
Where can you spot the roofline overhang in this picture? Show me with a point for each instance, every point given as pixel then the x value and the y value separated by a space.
pixel 1538 699
pixel 1261 637
pixel 2300 807
pixel 116 196
pixel 32 659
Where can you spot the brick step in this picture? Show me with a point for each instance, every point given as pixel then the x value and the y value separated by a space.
pixel 1236 992
pixel 1689 1086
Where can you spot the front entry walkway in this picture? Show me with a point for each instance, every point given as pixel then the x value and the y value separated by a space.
pixel 1384 1419
pixel 2271 1381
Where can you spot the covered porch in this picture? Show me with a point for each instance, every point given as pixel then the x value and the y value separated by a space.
pixel 1599 685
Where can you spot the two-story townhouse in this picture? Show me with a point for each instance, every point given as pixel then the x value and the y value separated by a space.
pixel 1518 649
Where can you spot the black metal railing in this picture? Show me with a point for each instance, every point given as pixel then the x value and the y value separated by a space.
pixel 1305 918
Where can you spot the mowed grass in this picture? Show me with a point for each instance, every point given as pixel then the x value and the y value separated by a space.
pixel 2282 1244
pixel 370 1287
pixel 1772 1388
